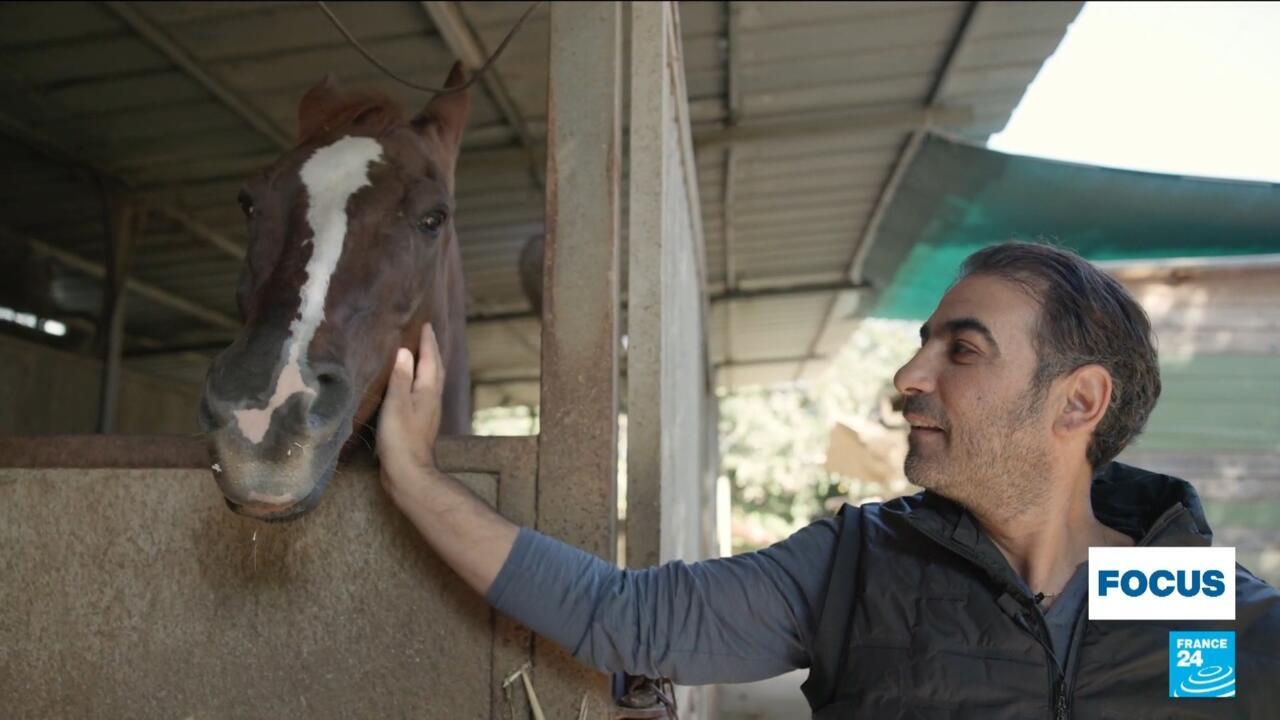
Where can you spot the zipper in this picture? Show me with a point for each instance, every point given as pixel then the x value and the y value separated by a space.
pixel 1060 701
pixel 1058 685
pixel 1073 660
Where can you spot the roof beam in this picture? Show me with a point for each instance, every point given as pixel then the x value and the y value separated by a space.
pixel 167 46
pixel 847 123
pixel 762 293
pixel 49 147
pixel 727 296
pixel 463 42
pixel 146 290
pixel 910 148
pixel 730 17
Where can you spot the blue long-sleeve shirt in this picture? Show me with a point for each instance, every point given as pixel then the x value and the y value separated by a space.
pixel 725 620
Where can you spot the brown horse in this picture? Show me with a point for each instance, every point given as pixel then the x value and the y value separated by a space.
pixel 352 247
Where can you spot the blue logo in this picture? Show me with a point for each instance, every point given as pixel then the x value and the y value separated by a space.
pixel 1202 664
pixel 1163 583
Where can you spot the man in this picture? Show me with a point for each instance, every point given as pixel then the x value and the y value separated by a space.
pixel 967 600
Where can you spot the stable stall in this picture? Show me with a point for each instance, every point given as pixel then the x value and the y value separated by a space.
pixel 706 178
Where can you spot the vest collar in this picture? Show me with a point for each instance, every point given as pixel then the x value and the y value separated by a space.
pixel 1151 508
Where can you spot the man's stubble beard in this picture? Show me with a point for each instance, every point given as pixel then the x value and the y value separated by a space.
pixel 997 466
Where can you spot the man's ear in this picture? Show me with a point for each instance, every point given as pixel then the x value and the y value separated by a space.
pixel 446 114
pixel 316 106
pixel 1087 396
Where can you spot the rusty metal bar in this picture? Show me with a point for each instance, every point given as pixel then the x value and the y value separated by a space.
pixel 110 336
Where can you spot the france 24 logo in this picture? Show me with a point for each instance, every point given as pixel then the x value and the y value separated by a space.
pixel 1202 664
pixel 1162 583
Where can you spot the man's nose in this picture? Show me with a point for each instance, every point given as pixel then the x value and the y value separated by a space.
pixel 916 377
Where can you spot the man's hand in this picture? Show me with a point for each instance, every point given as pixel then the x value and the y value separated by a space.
pixel 466 532
pixel 410 416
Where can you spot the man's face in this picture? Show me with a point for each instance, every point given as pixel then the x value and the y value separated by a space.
pixel 979 433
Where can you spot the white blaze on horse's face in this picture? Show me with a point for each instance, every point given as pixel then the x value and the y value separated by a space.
pixel 331 176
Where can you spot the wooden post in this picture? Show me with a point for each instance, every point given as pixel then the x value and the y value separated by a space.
pixel 577 456
pixel 110 337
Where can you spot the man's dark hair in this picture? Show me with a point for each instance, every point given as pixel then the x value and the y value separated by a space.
pixel 1086 317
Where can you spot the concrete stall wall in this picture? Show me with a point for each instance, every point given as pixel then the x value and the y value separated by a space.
pixel 668 396
pixel 44 391
pixel 133 592
pixel 670 460
pixel 1217 423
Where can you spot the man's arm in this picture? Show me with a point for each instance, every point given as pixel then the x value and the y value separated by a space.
pixel 725 620
pixel 735 619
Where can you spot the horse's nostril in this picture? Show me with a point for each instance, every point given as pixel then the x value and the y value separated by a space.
pixel 333 391
pixel 232 505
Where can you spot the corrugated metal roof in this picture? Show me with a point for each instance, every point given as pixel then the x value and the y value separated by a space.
pixel 802 113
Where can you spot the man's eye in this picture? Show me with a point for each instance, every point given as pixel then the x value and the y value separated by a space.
pixel 432 221
pixel 961 349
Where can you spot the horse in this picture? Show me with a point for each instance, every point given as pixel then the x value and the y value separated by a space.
pixel 352 247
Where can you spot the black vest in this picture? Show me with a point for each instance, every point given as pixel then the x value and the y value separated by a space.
pixel 924 618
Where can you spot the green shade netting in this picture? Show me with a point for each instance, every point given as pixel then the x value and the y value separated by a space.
pixel 957 198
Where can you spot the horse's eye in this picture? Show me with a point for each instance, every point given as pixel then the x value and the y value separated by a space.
pixel 246 204
pixel 433 221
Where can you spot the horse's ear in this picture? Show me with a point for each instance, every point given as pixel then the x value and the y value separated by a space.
pixel 446 114
pixel 316 105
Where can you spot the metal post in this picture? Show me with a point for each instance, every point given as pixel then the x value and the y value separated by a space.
pixel 110 338
pixel 577 456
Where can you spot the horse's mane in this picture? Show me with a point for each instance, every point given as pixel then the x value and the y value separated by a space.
pixel 371 111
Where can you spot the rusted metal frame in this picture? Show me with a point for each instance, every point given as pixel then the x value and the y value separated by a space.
pixel 577 453
pixel 120 225
pixel 451 22
pixel 185 61
pixel 147 290
pixel 910 148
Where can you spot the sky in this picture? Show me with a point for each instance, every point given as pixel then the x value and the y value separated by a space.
pixel 1182 88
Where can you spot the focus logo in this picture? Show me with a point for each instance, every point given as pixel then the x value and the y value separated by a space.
pixel 1202 664
pixel 1164 583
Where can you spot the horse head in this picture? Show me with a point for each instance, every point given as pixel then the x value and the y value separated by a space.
pixel 352 247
